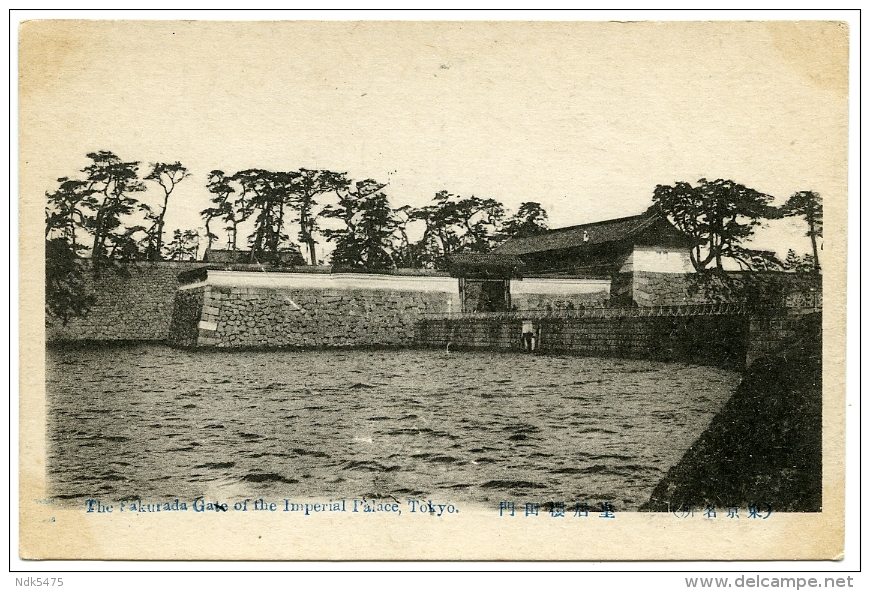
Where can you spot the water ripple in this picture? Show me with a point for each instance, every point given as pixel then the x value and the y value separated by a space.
pixel 473 427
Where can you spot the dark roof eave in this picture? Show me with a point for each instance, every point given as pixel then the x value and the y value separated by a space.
pixel 594 234
pixel 484 266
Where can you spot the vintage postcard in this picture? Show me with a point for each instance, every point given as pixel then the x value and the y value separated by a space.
pixel 472 290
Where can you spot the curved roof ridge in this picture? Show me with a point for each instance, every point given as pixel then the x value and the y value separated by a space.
pixel 581 234
pixel 644 217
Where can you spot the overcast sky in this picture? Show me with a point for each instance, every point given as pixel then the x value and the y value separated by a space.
pixel 586 118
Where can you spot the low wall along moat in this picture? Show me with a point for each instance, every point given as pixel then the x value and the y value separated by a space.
pixel 720 335
pixel 264 310
pixel 777 411
pixel 231 309
pixel 133 303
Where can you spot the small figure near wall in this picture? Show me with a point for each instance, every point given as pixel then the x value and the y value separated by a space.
pixel 529 339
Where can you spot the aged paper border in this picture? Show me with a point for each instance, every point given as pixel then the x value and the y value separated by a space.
pixel 49 533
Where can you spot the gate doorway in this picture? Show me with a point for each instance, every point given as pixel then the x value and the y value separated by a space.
pixel 485 295
pixel 484 280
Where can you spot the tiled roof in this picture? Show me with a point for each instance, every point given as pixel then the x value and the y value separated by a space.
pixel 495 265
pixel 216 255
pixel 585 234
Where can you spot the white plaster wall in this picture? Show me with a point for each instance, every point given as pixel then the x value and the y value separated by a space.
pixel 349 281
pixel 558 286
pixel 658 260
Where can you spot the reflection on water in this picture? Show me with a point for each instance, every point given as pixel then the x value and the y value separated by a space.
pixel 153 423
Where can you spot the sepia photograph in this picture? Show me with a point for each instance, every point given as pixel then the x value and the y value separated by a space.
pixel 432 290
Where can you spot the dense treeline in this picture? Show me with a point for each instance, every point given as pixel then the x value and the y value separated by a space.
pixel 370 234
pixel 278 218
pixel 274 217
pixel 96 217
pixel 721 216
pixel 94 214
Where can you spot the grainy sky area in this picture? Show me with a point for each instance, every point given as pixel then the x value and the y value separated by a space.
pixel 586 118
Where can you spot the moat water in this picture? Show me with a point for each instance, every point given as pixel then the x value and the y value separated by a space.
pixel 152 423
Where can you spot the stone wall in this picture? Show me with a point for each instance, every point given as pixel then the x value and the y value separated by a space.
pixel 766 289
pixel 253 309
pixel 133 303
pixel 222 315
pixel 668 289
pixel 186 314
pixel 539 294
pixel 546 301
pixel 711 339
pixel 771 335
pixel 622 289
